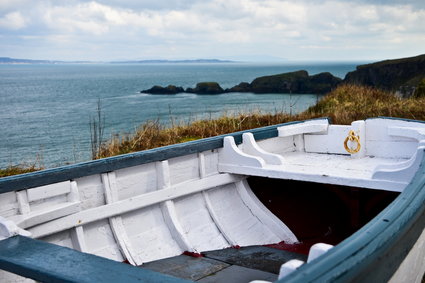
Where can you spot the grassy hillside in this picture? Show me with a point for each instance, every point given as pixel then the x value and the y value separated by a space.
pixel 345 104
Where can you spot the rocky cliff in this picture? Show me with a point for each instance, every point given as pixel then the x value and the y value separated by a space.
pixel 293 82
pixel 399 75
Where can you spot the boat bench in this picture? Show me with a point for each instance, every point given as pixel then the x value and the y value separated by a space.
pixel 47 262
pixel 375 153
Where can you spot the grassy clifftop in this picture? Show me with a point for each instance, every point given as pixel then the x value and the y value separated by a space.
pixel 343 105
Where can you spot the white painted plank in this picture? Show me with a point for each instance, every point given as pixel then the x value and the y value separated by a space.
pixel 23 204
pixel 117 227
pixel 49 191
pixel 183 168
pixel 237 219
pixel 391 149
pixel 52 212
pixel 130 204
pixel 136 180
pixel 408 132
pixel 172 222
pixel 277 145
pixel 319 126
pixel 333 142
pixel 100 240
pixel 263 214
pixel 168 210
pixel 78 240
pixel 216 219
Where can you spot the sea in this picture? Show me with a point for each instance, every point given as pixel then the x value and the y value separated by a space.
pixel 46 109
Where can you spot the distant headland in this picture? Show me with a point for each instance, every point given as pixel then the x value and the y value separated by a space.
pixel 404 77
pixel 8 60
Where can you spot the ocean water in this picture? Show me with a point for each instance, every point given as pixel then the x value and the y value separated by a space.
pixel 45 110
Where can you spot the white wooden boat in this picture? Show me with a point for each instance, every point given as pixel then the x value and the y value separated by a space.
pixel 209 195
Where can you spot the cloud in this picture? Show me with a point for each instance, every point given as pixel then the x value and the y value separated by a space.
pixel 100 30
pixel 13 21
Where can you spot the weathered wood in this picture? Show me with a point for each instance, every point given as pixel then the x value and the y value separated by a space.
pixel 130 204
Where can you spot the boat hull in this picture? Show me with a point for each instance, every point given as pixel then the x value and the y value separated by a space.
pixel 193 198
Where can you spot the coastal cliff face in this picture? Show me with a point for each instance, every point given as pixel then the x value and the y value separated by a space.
pixel 293 82
pixel 400 75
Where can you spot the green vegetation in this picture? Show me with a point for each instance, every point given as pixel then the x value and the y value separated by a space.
pixel 343 105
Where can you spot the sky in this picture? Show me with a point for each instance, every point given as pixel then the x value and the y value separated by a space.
pixel 249 30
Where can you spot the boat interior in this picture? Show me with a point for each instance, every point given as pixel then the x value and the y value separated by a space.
pixel 255 205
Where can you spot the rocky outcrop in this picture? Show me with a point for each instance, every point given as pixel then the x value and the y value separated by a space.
pixel 206 88
pixel 242 87
pixel 170 89
pixel 293 82
pixel 400 75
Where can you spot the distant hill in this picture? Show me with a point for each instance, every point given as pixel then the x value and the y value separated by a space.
pixel 399 75
pixel 7 60
pixel 172 61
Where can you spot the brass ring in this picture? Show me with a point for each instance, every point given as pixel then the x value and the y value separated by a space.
pixel 353 138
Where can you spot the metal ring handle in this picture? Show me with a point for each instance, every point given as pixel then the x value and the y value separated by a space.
pixel 353 138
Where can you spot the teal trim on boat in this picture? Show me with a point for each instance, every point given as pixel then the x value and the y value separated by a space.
pixel 46 262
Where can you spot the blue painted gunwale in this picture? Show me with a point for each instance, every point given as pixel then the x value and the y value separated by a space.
pixel 373 253
pixel 47 262
pixel 74 171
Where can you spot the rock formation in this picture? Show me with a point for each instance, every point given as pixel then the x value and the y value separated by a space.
pixel 399 75
pixel 170 89
pixel 206 88
pixel 293 82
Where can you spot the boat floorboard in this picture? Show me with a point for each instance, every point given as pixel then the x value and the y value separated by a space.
pixel 227 265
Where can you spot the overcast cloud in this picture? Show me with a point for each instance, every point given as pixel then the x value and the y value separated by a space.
pixel 224 29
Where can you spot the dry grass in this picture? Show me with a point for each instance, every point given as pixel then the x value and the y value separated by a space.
pixel 18 169
pixel 348 103
pixel 345 104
